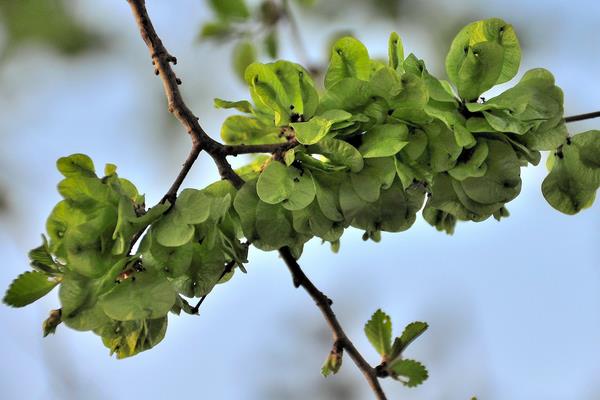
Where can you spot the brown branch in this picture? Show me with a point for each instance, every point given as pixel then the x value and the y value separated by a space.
pixel 201 141
pixel 582 117
pixel 162 59
pixel 171 194
pixel 339 336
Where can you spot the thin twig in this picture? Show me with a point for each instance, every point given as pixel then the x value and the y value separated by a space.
pixel 162 59
pixel 228 268
pixel 171 194
pixel 339 336
pixel 582 117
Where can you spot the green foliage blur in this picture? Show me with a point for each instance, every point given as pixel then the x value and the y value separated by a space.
pixel 44 22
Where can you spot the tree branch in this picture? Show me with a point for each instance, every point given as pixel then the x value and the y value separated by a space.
pixel 339 336
pixel 162 59
pixel 201 141
pixel 228 268
pixel 582 117
pixel 171 194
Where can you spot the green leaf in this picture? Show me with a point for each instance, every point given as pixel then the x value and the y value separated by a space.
pixel 244 54
pixel 327 188
pixel 302 97
pixel 144 295
pixel 245 204
pixel 312 131
pixel 439 219
pixel 582 157
pixel 533 108
pixel 243 105
pixel 480 70
pixel 394 211
pixel 441 146
pixel 384 140
pixel 502 179
pixel 483 54
pixel 268 92
pixel 78 297
pixel 283 90
pixel 463 137
pixel 350 202
pixel 176 228
pixel 379 332
pixel 110 169
pixel 408 104
pixel 76 165
pixel 273 227
pixel 411 332
pixel 238 129
pixel 172 231
pixel 349 59
pixel 303 190
pixel 410 372
pixel 27 288
pixel 395 51
pixel 336 116
pixel 230 9
pixel 275 183
pixel 128 338
pixel 349 94
pixel 563 188
pixel 471 162
pixel 252 170
pixel 172 261
pixel 193 206
pixel 339 152
pixel 366 184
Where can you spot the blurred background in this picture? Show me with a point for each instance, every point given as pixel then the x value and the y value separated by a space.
pixel 513 307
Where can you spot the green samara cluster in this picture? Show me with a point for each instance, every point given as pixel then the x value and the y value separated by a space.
pixel 379 144
pixel 121 295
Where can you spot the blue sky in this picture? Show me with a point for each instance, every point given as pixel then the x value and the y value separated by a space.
pixel 513 306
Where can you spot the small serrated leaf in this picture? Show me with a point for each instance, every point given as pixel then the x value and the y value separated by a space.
pixel 410 372
pixel 411 332
pixel 379 332
pixel 27 288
